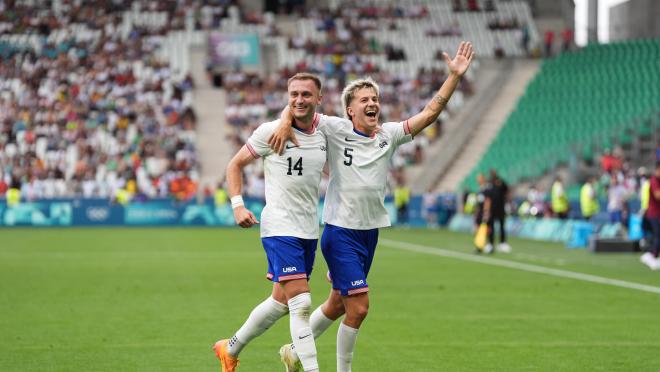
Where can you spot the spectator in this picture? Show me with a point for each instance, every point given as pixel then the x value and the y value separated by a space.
pixel 430 207
pixel 559 200
pixel 589 199
pixel 401 200
pixel 483 206
pixel 616 197
pixel 525 37
pixel 548 40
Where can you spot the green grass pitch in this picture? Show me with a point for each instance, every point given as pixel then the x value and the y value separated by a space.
pixel 157 299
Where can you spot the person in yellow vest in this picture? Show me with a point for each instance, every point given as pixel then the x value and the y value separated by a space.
pixel 14 195
pixel 589 199
pixel 469 202
pixel 220 196
pixel 123 196
pixel 401 199
pixel 558 199
pixel 482 216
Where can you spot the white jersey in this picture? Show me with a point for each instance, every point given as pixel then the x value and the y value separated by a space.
pixel 292 181
pixel 359 166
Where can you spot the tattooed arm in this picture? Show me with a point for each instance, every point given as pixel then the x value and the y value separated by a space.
pixel 457 67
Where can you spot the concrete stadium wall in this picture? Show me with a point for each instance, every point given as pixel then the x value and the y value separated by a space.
pixel 635 19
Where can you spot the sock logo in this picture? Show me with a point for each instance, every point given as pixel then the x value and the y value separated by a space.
pixel 305 336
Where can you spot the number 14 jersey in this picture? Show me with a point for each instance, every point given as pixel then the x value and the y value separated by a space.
pixel 291 181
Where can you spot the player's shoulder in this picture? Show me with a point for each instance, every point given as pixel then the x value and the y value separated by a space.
pixel 391 128
pixel 266 128
pixel 269 125
pixel 333 123
pixel 392 125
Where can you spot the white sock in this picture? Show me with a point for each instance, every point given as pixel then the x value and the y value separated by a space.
pixel 346 337
pixel 319 323
pixel 261 318
pixel 301 332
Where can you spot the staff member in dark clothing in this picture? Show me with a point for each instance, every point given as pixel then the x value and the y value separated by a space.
pixel 499 195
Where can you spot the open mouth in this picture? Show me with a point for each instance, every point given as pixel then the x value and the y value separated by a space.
pixel 371 113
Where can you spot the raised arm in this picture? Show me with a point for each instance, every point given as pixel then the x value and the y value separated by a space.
pixel 456 67
pixel 283 132
pixel 242 215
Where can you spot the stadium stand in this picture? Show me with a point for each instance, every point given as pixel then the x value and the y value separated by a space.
pixel 536 137
pixel 399 44
pixel 85 108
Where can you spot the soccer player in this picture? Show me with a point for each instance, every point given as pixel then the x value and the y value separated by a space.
pixel 289 222
pixel 359 153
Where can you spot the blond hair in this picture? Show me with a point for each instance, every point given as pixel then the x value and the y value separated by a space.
pixel 348 93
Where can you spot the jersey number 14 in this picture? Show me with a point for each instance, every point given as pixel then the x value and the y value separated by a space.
pixel 294 167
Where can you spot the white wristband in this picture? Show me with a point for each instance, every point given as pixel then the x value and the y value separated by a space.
pixel 236 201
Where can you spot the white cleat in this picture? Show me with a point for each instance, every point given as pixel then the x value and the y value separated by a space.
pixel 488 248
pixel 649 260
pixel 504 248
pixel 290 359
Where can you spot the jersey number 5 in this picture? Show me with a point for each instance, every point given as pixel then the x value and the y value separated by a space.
pixel 349 157
pixel 297 166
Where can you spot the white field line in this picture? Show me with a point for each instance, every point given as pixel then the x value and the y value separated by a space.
pixel 517 265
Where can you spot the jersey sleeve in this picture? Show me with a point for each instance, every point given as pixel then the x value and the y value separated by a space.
pixel 399 132
pixel 258 141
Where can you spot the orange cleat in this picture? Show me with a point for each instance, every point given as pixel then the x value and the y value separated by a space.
pixel 227 362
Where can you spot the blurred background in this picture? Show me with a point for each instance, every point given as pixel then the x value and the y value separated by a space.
pixel 126 112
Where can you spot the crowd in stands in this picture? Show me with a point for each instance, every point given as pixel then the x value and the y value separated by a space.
pixel 616 184
pixel 87 111
pixel 473 6
pixel 366 10
pixel 356 17
pixel 338 59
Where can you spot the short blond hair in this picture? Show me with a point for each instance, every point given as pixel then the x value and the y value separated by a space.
pixel 348 93
pixel 306 76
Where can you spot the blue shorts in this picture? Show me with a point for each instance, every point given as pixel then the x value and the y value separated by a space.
pixel 349 254
pixel 289 257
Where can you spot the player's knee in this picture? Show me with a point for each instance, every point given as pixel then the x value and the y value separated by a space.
pixel 359 311
pixel 336 308
pixel 300 304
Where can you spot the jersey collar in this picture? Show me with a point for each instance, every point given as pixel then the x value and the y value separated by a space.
pixel 363 134
pixel 315 123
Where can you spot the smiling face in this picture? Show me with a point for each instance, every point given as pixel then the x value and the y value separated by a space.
pixel 304 96
pixel 364 110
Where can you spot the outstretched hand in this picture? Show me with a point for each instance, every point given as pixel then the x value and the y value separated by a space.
pixel 462 60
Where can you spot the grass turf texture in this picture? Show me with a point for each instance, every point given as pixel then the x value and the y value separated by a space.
pixel 157 299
